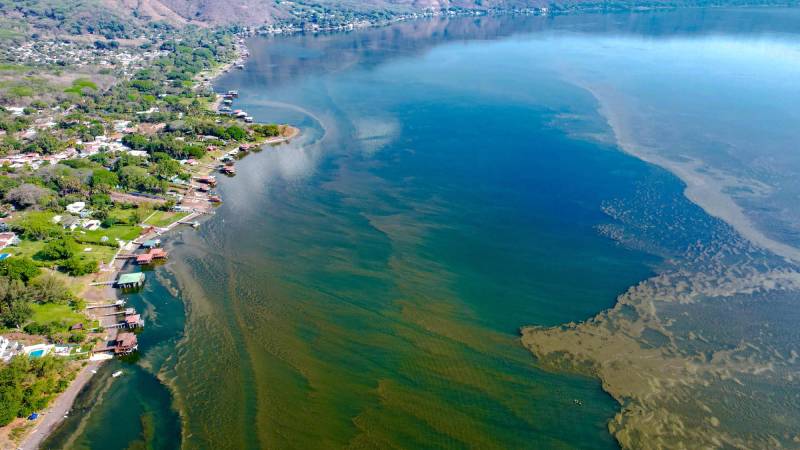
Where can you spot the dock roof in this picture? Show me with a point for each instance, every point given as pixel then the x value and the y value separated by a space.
pixel 131 278
pixel 144 259
pixel 151 243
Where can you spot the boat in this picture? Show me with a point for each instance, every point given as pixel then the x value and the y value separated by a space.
pixel 248 119
pixel 116 374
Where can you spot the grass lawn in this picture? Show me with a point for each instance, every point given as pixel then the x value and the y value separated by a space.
pixel 25 248
pixel 121 232
pixel 51 312
pixel 164 218
pixel 124 215
pixel 102 253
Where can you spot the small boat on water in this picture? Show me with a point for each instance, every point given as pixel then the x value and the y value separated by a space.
pixel 248 119
pixel 233 93
pixel 116 374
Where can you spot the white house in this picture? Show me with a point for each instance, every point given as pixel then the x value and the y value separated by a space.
pixel 76 208
pixel 90 224
pixel 9 348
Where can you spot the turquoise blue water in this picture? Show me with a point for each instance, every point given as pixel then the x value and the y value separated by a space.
pixel 36 353
pixel 455 180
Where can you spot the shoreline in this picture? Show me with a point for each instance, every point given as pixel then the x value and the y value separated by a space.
pixel 59 407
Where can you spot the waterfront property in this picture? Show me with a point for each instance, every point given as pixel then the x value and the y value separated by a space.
pixel 151 243
pixel 144 258
pixel 131 280
pixel 153 254
pixel 125 343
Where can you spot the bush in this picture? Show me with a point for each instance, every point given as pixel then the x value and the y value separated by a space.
pixel 23 269
pixel 77 337
pixel 62 248
pixel 76 267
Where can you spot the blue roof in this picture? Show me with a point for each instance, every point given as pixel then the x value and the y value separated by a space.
pixel 33 416
pixel 151 243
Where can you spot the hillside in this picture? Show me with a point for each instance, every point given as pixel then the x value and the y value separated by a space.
pixel 127 19
pixel 260 12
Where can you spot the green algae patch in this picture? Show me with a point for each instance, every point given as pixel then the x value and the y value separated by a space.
pixel 691 357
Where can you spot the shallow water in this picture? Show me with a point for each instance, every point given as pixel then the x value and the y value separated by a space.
pixel 455 180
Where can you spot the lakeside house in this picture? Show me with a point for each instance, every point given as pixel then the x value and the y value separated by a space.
pixel 134 321
pixel 125 343
pixel 131 280
pixel 153 254
pixel 151 243
pixel 144 258
pixel 207 179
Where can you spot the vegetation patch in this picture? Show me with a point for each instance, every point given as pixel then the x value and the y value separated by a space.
pixel 79 85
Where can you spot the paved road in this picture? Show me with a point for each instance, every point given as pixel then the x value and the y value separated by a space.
pixel 48 420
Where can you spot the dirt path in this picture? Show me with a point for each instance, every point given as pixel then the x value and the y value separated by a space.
pixel 52 416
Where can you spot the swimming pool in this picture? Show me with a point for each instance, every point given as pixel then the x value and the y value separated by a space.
pixel 36 353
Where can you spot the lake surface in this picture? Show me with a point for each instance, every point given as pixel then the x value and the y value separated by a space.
pixel 455 180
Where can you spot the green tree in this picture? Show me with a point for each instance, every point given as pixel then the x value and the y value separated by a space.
pixel 76 267
pixel 236 133
pixel 104 180
pixel 48 288
pixel 57 249
pixel 167 168
pixel 14 306
pixel 23 269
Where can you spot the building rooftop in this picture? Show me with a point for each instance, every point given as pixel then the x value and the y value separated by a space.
pixel 131 278
pixel 126 340
pixel 144 258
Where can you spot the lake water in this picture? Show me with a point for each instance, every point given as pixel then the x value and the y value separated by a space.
pixel 455 180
